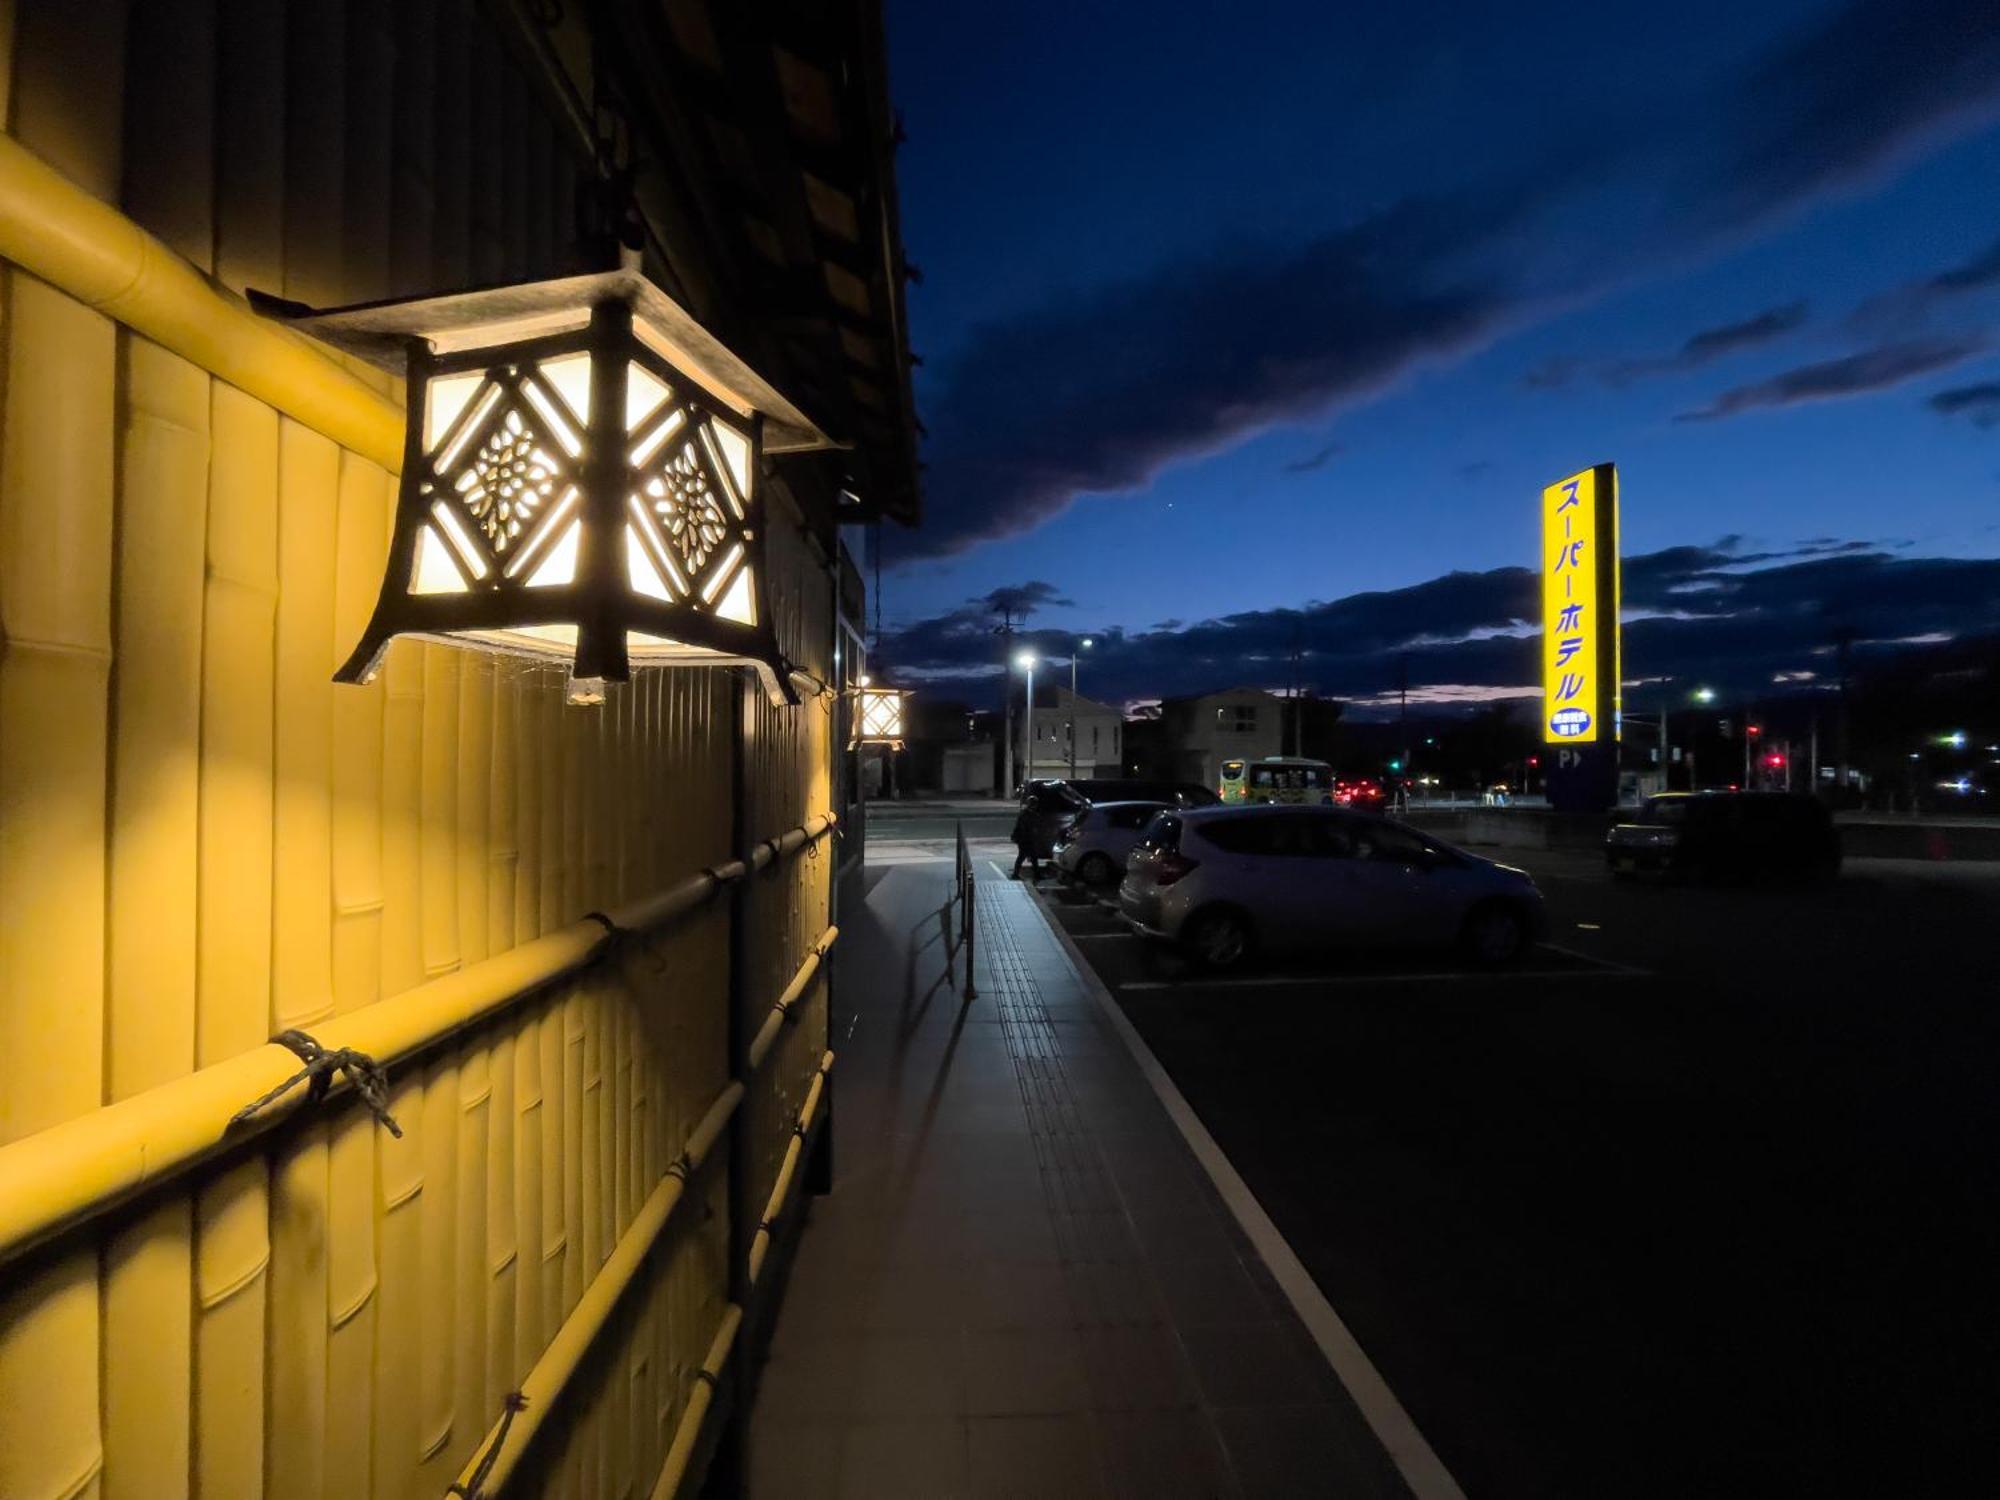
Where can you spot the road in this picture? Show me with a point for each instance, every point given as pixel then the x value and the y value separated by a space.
pixel 1703 1205
pixel 923 822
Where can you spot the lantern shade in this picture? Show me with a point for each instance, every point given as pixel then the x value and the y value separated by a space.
pixel 879 717
pixel 581 479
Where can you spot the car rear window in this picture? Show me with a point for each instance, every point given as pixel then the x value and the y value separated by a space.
pixel 1163 834
pixel 1132 817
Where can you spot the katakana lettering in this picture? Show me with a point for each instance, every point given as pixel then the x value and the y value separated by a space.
pixel 1570 686
pixel 1570 556
pixel 1567 648
pixel 1571 618
pixel 1570 499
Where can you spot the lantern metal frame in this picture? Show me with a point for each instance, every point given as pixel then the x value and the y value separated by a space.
pixel 870 703
pixel 586 475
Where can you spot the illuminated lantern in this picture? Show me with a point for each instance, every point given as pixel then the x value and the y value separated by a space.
pixel 879 716
pixel 581 479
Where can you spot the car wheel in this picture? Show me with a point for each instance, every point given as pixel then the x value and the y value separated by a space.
pixel 1217 940
pixel 1494 934
pixel 1096 869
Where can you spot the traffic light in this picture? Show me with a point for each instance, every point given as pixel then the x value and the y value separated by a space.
pixel 1534 760
pixel 1395 765
pixel 1774 760
pixel 1753 730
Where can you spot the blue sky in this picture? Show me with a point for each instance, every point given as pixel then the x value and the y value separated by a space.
pixel 1227 311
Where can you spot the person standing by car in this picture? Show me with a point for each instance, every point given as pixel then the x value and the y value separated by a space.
pixel 1027 840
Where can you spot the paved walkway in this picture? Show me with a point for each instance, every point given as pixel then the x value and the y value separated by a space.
pixel 1022 1283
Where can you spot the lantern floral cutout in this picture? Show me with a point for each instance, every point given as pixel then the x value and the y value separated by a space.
pixel 879 716
pixel 581 479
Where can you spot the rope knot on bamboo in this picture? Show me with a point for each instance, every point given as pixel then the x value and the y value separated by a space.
pixel 369 1078
pixel 511 1405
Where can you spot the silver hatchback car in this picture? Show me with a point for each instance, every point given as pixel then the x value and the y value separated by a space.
pixel 1225 883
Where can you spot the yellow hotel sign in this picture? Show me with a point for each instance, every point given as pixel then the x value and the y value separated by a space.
pixel 1580 698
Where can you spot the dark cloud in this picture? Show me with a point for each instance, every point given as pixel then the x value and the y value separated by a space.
pixel 1098 392
pixel 1021 598
pixel 1980 403
pixel 1313 461
pixel 1983 270
pixel 1479 468
pixel 1711 344
pixel 1875 81
pixel 1553 374
pixel 1710 612
pixel 1851 375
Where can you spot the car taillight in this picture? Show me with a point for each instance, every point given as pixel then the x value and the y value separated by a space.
pixel 1171 867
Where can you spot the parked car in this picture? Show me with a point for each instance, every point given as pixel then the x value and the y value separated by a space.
pixel 1228 883
pixel 1129 789
pixel 1720 835
pixel 1094 844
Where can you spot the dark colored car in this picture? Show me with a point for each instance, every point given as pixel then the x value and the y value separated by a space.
pixel 1088 789
pixel 1725 835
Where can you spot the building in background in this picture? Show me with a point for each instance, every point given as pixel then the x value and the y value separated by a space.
pixel 1096 729
pixel 1197 734
pixel 207 843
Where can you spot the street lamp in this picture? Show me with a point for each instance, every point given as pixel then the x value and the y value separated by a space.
pixel 1026 662
pixel 582 479
pixel 1081 646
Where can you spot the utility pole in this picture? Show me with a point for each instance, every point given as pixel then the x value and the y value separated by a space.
pixel 1845 641
pixel 1074 651
pixel 1403 695
pixel 1005 630
pixel 1294 728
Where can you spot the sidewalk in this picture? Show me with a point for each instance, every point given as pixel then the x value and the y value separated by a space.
pixel 1022 1283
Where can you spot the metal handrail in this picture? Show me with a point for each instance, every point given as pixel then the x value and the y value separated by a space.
pixel 963 887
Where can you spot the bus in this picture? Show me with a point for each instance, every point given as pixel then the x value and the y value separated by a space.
pixel 1276 778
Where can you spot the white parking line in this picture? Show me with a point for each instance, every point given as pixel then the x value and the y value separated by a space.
pixel 1285 981
pixel 1631 971
pixel 1422 1470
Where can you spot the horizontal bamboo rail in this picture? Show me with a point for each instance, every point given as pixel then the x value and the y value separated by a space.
pixel 54 230
pixel 499 1453
pixel 680 1454
pixel 60 1177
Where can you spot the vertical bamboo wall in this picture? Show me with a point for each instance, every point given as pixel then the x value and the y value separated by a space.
pixel 202 841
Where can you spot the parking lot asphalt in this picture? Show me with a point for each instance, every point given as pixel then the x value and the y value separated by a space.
pixel 1698 1201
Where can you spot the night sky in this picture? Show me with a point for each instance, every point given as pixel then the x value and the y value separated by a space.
pixel 1251 323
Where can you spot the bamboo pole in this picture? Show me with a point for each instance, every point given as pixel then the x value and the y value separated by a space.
pixel 507 1441
pixel 674 1472
pixel 151 911
pixel 301 991
pixel 60 1176
pixel 83 247
pixel 56 529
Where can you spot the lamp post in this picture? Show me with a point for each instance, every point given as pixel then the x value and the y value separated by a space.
pixel 1081 646
pixel 1026 662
